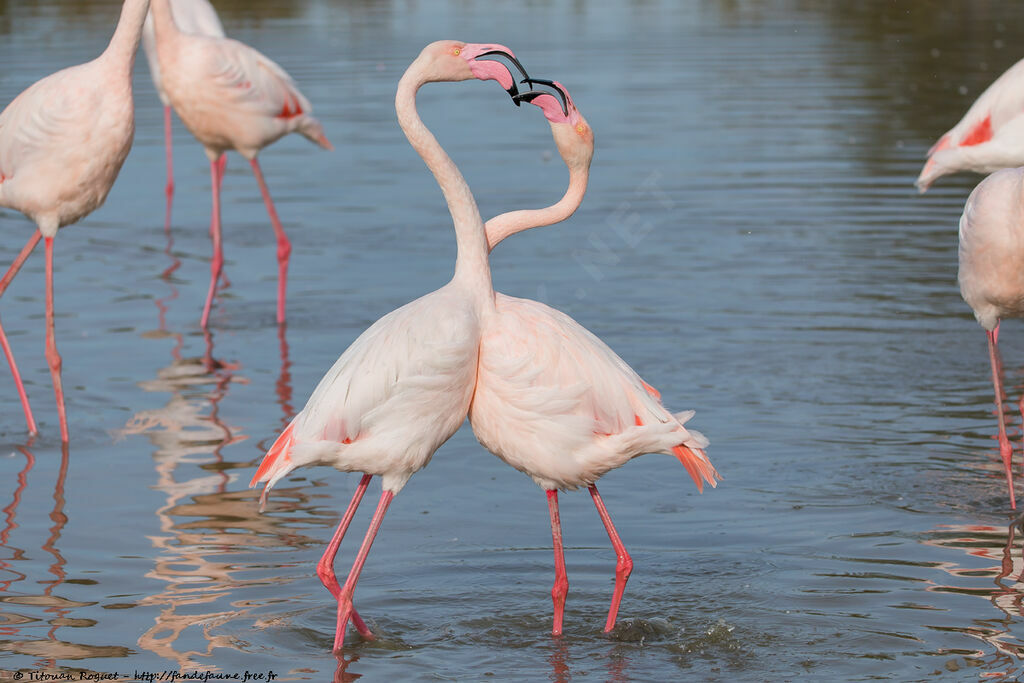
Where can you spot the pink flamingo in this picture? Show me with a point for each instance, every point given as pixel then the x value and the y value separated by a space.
pixel 989 137
pixel 991 255
pixel 404 386
pixel 231 97
pixel 62 143
pixel 552 400
pixel 192 16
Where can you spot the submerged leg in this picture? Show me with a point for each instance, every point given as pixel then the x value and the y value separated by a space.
pixel 217 264
pixel 325 568
pixel 169 188
pixel 561 587
pixel 1005 451
pixel 52 357
pixel 623 562
pixel 284 246
pixel 345 596
pixel 8 276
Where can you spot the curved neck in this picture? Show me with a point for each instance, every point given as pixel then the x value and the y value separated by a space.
pixel 125 42
pixel 471 261
pixel 500 227
pixel 164 26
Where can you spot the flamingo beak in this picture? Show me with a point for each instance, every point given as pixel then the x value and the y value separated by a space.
pixel 529 96
pixel 491 69
pixel 513 91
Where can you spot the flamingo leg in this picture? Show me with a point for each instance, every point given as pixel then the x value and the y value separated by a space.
pixel 222 165
pixel 8 276
pixel 1005 451
pixel 52 357
pixel 217 264
pixel 623 562
pixel 345 596
pixel 561 587
pixel 284 246
pixel 169 188
pixel 325 568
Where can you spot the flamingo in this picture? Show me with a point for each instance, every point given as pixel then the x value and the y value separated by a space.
pixel 62 143
pixel 554 401
pixel 192 16
pixel 991 255
pixel 989 137
pixel 231 97
pixel 404 385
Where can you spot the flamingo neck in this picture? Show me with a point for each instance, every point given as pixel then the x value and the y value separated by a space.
pixel 125 42
pixel 471 261
pixel 500 227
pixel 165 29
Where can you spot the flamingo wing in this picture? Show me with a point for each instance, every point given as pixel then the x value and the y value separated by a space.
pixel 399 391
pixel 544 360
pixel 43 117
pixel 248 80
pixel 1001 102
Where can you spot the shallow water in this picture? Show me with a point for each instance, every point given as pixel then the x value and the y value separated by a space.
pixel 751 243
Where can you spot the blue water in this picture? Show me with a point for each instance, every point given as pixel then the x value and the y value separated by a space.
pixel 751 243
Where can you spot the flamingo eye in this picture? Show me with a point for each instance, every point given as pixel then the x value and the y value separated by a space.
pixel 457 51
pixel 580 128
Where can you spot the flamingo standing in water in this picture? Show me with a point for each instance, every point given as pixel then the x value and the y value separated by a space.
pixel 989 137
pixel 991 275
pixel 192 16
pixel 231 97
pixel 404 386
pixel 62 143
pixel 552 400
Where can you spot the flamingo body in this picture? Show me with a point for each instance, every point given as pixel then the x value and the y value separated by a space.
pixel 558 404
pixel 991 249
pixel 394 396
pixel 989 137
pixel 229 95
pixel 63 141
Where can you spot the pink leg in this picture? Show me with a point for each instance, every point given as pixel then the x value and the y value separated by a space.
pixel 8 276
pixel 345 596
pixel 623 562
pixel 52 357
pixel 325 568
pixel 222 165
pixel 169 188
pixel 16 265
pixel 997 382
pixel 30 421
pixel 217 264
pixel 561 587
pixel 284 247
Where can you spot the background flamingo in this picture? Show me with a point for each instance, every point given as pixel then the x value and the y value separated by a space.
pixel 191 16
pixel 552 399
pixel 404 386
pixel 62 143
pixel 231 97
pixel 989 137
pixel 991 255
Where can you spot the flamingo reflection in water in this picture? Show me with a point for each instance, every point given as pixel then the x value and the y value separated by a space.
pixel 1001 582
pixel 19 630
pixel 204 527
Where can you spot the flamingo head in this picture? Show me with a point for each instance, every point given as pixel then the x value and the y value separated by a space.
pixel 572 133
pixel 453 60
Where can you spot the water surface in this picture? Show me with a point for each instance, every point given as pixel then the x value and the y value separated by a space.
pixel 751 243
